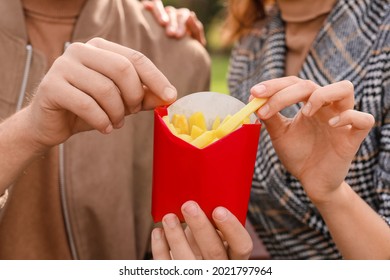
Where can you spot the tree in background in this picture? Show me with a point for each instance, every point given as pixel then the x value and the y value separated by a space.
pixel 211 14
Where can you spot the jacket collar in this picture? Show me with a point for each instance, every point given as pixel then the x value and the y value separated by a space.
pixel 11 19
pixel 96 16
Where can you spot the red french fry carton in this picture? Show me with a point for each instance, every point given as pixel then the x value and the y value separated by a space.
pixel 218 175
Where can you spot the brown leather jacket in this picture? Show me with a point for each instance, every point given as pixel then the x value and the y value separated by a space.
pixel 90 197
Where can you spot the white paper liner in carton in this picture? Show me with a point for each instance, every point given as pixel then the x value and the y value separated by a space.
pixel 211 104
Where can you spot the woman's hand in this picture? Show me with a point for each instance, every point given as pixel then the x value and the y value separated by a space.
pixel 94 86
pixel 319 143
pixel 178 22
pixel 200 239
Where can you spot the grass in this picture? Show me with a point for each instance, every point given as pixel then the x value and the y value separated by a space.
pixel 219 67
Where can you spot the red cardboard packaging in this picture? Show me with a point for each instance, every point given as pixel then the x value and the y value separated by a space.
pixel 217 175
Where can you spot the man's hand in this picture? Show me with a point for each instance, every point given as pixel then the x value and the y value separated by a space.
pixel 178 22
pixel 94 86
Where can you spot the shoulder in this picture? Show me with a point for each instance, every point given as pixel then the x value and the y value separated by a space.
pixel 184 61
pixel 142 26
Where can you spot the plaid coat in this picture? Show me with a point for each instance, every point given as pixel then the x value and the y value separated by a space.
pixel 353 44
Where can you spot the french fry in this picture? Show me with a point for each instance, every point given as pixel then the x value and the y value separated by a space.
pixel 169 125
pixel 225 119
pixel 205 139
pixel 197 119
pixel 194 130
pixel 236 120
pixel 185 137
pixel 180 123
pixel 216 123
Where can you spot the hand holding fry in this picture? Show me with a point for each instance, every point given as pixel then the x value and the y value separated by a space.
pixel 94 86
pixel 318 144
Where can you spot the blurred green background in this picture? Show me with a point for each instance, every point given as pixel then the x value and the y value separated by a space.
pixel 212 14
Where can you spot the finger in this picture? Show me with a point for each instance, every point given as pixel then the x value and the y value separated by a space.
pixel 148 5
pixel 270 87
pixel 359 121
pixel 194 246
pixel 182 17
pixel 204 232
pixel 176 238
pixel 172 26
pixel 99 87
pixel 196 29
pixel 340 95
pixel 151 100
pixel 160 13
pixel 160 247
pixel 358 124
pixel 239 240
pixel 287 96
pixel 77 102
pixel 115 67
pixel 148 73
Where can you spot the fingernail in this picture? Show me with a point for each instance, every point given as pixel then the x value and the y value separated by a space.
pixel 171 220
pixel 263 111
pixel 191 208
pixel 306 109
pixel 220 214
pixel 108 129
pixel 157 233
pixel 333 121
pixel 259 89
pixel 169 94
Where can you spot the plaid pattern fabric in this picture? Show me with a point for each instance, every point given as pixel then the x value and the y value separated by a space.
pixel 353 44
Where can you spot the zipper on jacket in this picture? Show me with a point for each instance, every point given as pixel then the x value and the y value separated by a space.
pixel 64 204
pixel 65 210
pixel 61 174
pixel 26 74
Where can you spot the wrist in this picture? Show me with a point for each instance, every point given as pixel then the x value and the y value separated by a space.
pixel 22 135
pixel 337 198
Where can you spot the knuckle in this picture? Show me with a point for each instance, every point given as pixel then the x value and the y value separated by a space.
pixel 62 65
pixel 74 48
pixel 170 9
pixel 216 253
pixel 308 84
pixel 123 66
pixel 96 42
pixel 46 84
pixel 293 79
pixel 193 15
pixel 138 58
pixel 85 104
pixel 108 88
pixel 245 250
pixel 184 12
